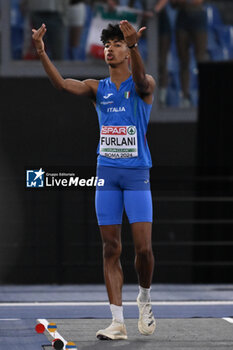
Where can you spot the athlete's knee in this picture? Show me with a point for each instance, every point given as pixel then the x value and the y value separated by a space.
pixel 112 249
pixel 144 252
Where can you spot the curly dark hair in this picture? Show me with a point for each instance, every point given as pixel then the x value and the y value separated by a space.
pixel 112 32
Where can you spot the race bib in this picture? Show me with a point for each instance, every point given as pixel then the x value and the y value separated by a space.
pixel 118 141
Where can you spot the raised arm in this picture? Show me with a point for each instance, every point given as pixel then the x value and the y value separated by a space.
pixel 86 88
pixel 144 83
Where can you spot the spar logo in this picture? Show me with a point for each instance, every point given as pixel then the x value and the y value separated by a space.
pixel 114 130
pixel 118 130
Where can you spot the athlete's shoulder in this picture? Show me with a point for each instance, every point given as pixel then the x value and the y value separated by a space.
pixel 105 81
pixel 104 84
pixel 151 82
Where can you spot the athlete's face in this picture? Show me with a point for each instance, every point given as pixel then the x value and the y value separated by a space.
pixel 115 52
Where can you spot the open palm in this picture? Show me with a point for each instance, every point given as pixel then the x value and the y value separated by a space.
pixel 130 34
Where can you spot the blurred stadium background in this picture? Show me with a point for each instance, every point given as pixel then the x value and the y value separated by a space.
pixel 52 236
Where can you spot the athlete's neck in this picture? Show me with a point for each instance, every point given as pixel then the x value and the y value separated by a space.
pixel 119 74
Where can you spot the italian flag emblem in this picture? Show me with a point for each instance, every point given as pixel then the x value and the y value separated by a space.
pixel 127 93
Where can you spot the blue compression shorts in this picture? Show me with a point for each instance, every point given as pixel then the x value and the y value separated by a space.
pixel 124 188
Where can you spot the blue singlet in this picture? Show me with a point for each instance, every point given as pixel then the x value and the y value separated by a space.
pixel 123 119
pixel 125 108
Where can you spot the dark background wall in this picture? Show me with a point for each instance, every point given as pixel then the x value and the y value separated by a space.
pixel 53 237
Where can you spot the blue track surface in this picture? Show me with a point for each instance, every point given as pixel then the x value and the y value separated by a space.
pixel 21 335
pixel 181 311
pixel 18 333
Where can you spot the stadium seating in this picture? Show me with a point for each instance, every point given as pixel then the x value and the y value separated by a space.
pixel 17 25
pixel 219 47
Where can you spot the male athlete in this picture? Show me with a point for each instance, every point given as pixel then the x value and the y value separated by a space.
pixel 123 103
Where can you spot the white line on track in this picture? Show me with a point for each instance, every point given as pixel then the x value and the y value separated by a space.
pixel 228 319
pixel 54 335
pixel 10 319
pixel 127 303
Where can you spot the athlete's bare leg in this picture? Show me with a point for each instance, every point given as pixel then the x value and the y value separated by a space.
pixel 111 238
pixel 144 258
pixel 144 264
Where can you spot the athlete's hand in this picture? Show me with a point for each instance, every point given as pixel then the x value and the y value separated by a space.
pixel 37 36
pixel 131 37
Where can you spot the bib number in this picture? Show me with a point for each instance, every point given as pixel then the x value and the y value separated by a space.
pixel 118 141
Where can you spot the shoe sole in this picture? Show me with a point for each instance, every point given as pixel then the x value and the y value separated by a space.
pixel 103 337
pixel 116 337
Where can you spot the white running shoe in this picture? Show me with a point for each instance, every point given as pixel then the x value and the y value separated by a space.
pixel 115 331
pixel 146 322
